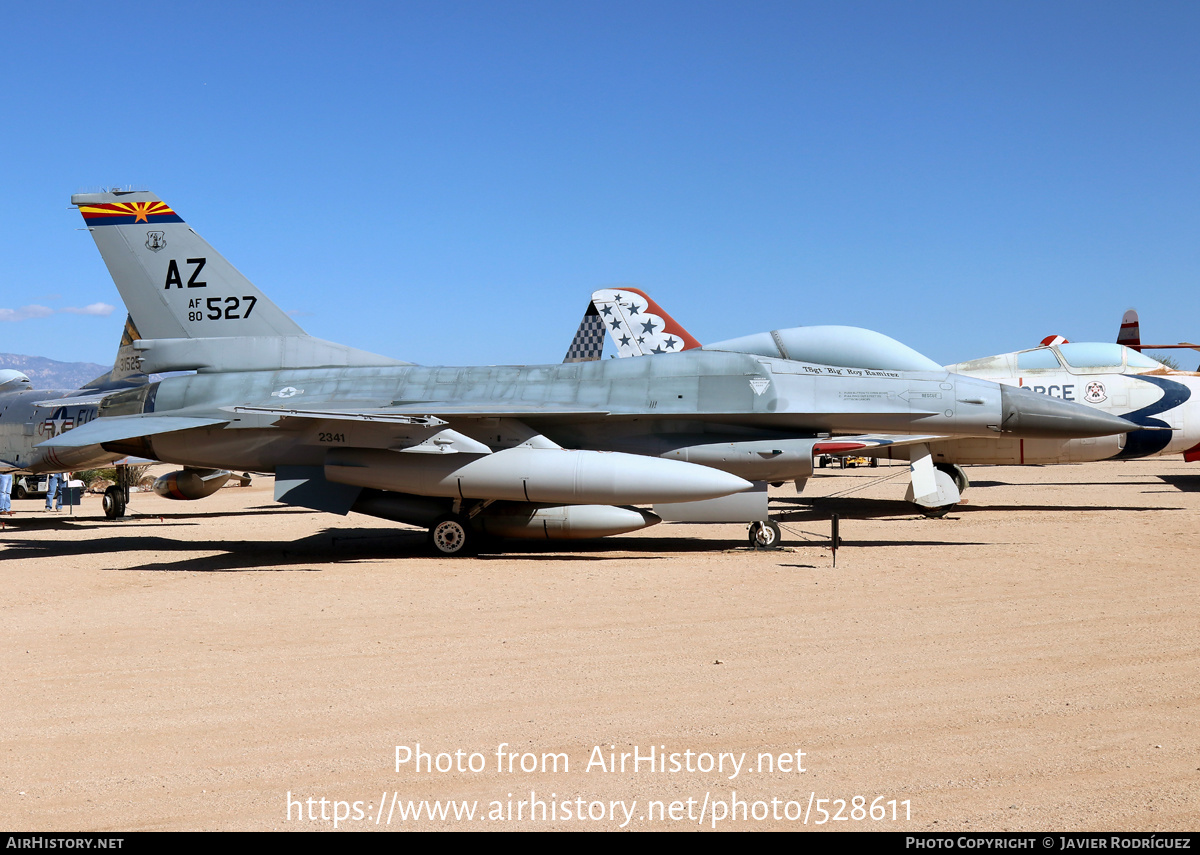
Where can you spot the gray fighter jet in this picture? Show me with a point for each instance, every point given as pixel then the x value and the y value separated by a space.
pixel 554 451
pixel 30 416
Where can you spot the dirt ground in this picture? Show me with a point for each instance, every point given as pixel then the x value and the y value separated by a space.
pixel 1030 662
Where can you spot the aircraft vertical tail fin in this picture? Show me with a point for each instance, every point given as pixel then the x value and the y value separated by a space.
pixel 127 367
pixel 1130 333
pixel 636 325
pixel 588 344
pixel 173 282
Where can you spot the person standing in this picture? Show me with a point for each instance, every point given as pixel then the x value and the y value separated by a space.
pixel 54 491
pixel 6 485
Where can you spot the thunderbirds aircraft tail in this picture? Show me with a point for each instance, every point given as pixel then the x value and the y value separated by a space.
pixel 638 326
pixel 635 324
pixel 189 308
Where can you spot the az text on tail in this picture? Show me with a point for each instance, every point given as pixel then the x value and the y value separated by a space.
pixel 189 308
pixel 173 282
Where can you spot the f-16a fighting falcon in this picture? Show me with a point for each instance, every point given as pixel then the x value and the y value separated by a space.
pixel 548 451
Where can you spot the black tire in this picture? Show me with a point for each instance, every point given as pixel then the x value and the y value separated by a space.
pixel 21 492
pixel 938 513
pixel 765 534
pixel 451 535
pixel 114 502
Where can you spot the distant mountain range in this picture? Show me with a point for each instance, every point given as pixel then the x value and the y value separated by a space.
pixel 52 374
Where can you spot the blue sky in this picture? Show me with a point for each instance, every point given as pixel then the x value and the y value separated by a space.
pixel 448 182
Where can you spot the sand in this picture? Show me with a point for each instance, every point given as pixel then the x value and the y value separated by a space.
pixel 1030 662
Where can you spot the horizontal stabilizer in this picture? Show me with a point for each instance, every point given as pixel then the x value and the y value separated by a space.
pixel 116 428
pixel 75 401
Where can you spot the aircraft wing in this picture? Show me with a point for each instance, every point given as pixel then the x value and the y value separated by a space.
pixel 115 428
pixel 426 413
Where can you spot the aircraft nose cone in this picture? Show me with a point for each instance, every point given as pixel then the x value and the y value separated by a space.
pixel 1029 414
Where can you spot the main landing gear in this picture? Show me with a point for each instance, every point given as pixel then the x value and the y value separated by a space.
pixel 452 535
pixel 765 534
pixel 114 502
pixel 116 497
pixel 956 474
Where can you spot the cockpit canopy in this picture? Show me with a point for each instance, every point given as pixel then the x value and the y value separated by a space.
pixel 1076 357
pixel 12 380
pixel 852 347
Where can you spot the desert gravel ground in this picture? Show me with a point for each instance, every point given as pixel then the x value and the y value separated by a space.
pixel 1030 662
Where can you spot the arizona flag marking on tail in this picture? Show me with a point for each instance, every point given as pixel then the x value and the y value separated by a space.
pixel 128 213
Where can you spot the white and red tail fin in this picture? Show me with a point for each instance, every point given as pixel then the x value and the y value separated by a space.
pixel 1053 339
pixel 1130 333
pixel 636 325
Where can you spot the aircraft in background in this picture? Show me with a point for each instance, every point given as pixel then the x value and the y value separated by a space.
pixel 1130 335
pixel 29 417
pixel 1117 378
pixel 1112 378
pixel 553 451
